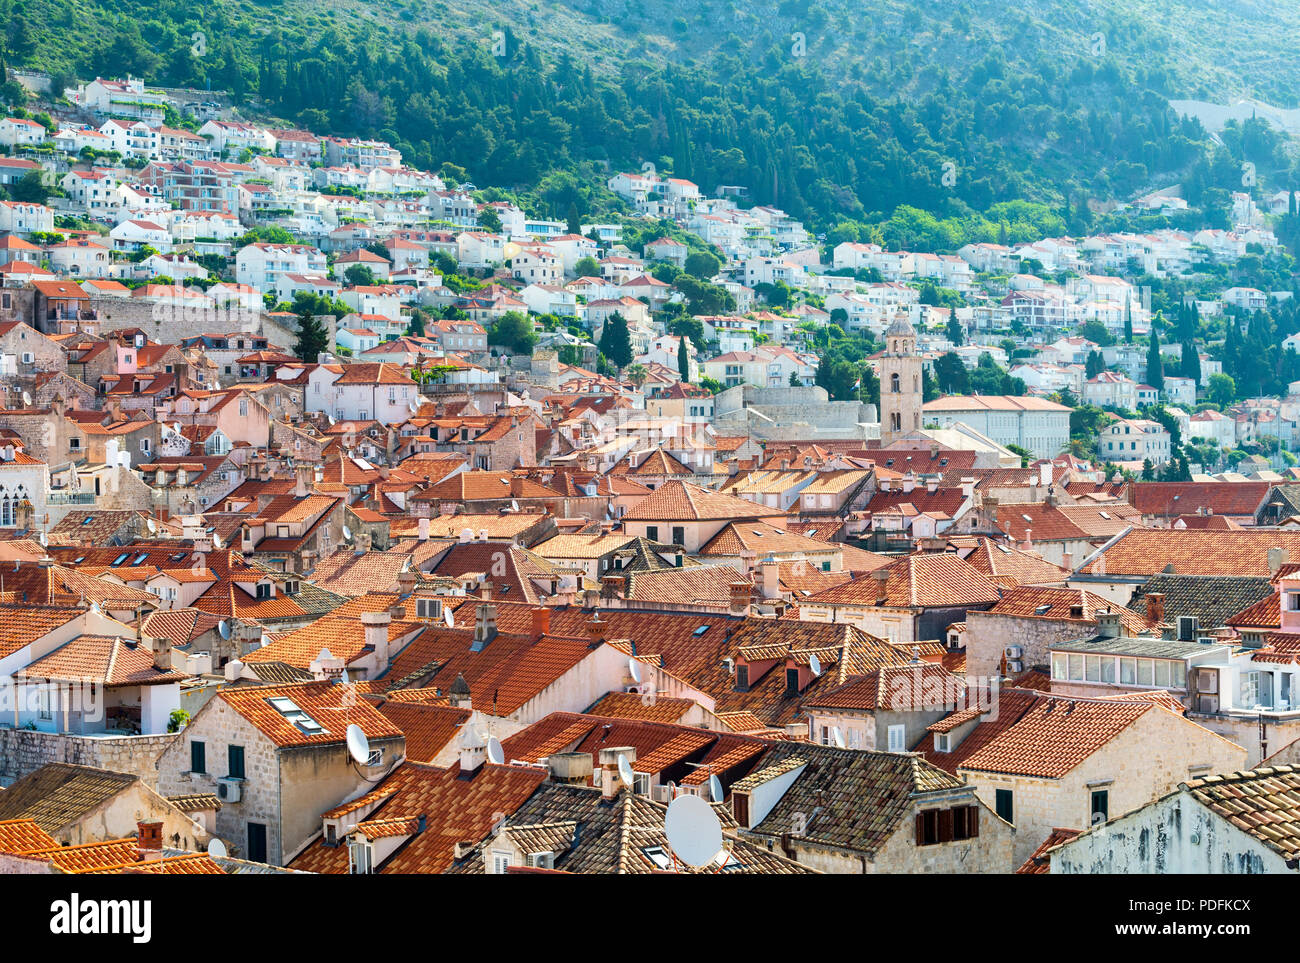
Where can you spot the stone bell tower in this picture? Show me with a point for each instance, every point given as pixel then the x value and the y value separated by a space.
pixel 900 383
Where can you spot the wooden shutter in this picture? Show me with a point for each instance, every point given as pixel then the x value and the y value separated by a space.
pixel 920 829
pixel 945 825
pixel 973 821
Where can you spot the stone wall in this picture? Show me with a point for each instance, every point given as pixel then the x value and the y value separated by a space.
pixel 987 635
pixel 23 751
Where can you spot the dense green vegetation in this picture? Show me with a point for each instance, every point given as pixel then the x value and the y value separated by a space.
pixel 986 123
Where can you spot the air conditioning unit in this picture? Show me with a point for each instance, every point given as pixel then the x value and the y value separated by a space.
pixel 1015 665
pixel 1013 651
pixel 662 794
pixel 1207 680
pixel 1207 703
pixel 228 790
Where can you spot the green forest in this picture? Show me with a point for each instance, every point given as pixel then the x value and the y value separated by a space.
pixel 1008 143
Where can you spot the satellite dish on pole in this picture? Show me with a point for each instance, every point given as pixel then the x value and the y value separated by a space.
pixel 151 525
pixel 634 668
pixel 216 540
pixel 449 618
pixel 625 771
pixel 347 533
pixel 358 745
pixel 216 849
pixel 330 419
pixel 693 830
pixel 815 664
pixel 27 399
pixel 496 755
pixel 716 792
pixel 223 627
pixel 44 540
pixel 837 737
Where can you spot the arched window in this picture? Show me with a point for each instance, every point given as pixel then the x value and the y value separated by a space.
pixel 896 421
pixel 894 383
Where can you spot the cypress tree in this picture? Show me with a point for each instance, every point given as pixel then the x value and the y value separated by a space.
pixel 1155 368
pixel 683 360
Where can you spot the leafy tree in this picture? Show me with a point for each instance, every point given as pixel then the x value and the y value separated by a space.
pixel 703 297
pixel 702 264
pixel 637 374
pixel 794 380
pixel 840 378
pixel 1148 470
pixel 1096 332
pixel 691 328
pixel 587 267
pixel 951 374
pixel 1155 367
pixel 416 327
pixel 490 220
pixel 616 340
pixel 1221 389
pixel 1026 456
pixel 956 333
pixel 359 276
pixel 313 338
pixel 711 384
pixel 31 188
pixel 514 331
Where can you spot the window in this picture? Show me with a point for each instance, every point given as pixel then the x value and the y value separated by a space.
pixel 1059 665
pixel 679 535
pixel 791 682
pixel 742 678
pixel 1076 668
pixel 235 763
pixel 898 738
pixel 641 783
pixel 264 590
pixel 1162 672
pixel 652 532
pixel 198 756
pixel 256 841
pixel 943 742
pixel 500 862
pixel 1004 804
pixel 1100 806
pixel 1144 672
pixel 1127 671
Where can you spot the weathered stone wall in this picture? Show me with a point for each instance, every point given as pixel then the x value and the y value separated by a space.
pixel 988 635
pixel 23 751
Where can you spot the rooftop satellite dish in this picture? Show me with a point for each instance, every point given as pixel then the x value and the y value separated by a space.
pixel 837 737
pixel 625 770
pixel 330 419
pixel 634 668
pixel 216 540
pixel 27 399
pixel 344 677
pixel 44 540
pixel 151 525
pixel 216 849
pixel 347 533
pixel 449 618
pixel 412 407
pixel 358 745
pixel 716 792
pixel 94 607
pixel 514 505
pixel 223 628
pixel 693 830
pixel 815 664
pixel 496 755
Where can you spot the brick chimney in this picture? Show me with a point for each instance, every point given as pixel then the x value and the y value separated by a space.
pixel 485 626
pixel 742 594
pixel 541 620
pixel 595 629
pixel 1156 607
pixel 161 649
pixel 149 839
pixel 376 630
pixel 610 781
pixel 882 583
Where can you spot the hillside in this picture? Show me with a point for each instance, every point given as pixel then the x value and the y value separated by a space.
pixel 838 111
